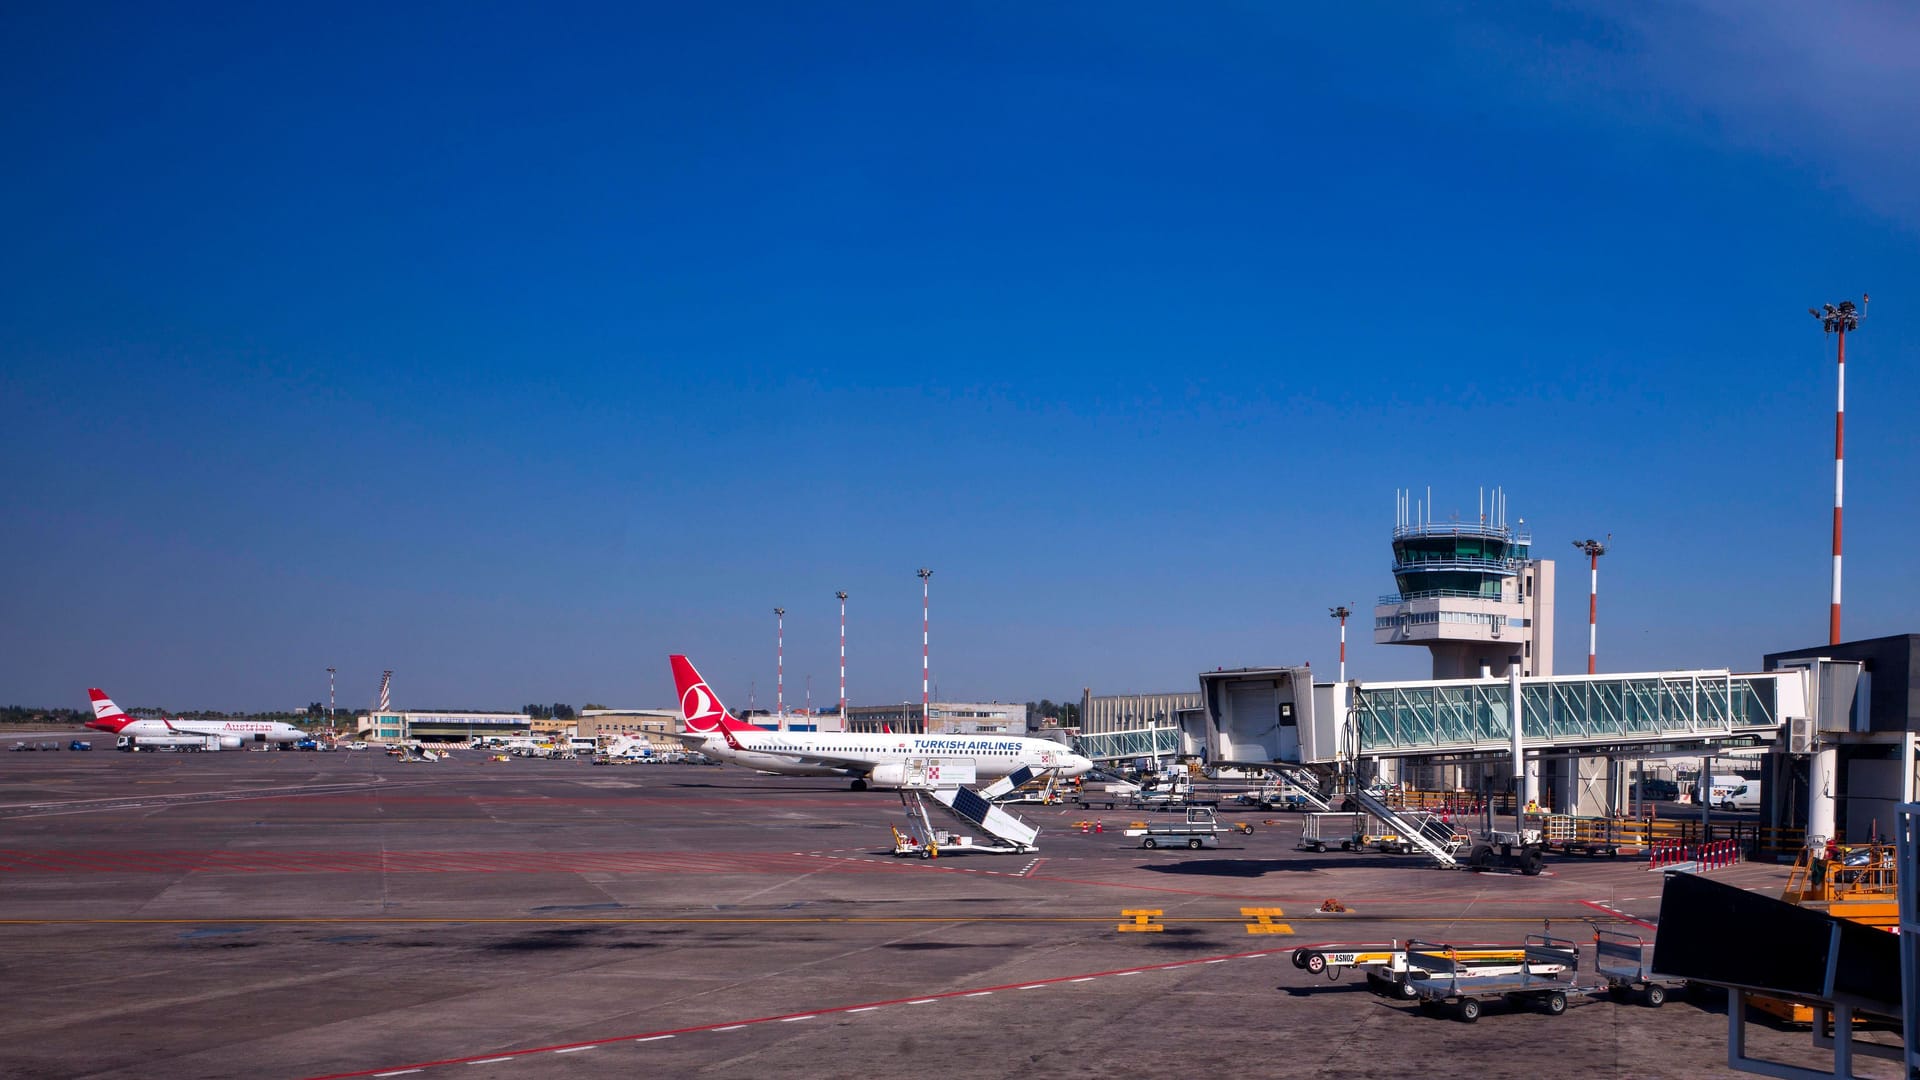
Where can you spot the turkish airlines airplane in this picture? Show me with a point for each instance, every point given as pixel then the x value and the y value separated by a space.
pixel 877 759
pixel 186 734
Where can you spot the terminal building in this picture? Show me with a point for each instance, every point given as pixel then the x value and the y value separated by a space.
pixel 391 726
pixel 656 726
pixel 942 718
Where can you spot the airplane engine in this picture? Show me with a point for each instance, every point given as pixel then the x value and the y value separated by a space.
pixel 888 776
pixel 229 742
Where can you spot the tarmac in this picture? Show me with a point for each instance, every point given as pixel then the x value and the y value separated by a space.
pixel 345 914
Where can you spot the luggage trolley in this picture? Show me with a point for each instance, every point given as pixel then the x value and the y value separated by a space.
pixel 1543 978
pixel 1622 960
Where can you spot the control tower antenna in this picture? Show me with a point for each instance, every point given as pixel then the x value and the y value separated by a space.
pixel 1341 613
pixel 1838 319
pixel 1594 549
pixel 386 681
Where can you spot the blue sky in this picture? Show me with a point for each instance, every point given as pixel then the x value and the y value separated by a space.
pixel 515 348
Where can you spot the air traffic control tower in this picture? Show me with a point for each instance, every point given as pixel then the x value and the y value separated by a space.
pixel 1468 591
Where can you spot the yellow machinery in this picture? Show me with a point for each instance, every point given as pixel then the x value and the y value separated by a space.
pixel 1858 882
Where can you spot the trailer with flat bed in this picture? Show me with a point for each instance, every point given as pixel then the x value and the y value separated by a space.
pixel 1199 830
pixel 1544 977
pixel 1389 966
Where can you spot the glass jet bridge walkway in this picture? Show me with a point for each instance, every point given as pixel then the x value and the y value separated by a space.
pixel 1160 742
pixel 1667 711
pixel 1686 708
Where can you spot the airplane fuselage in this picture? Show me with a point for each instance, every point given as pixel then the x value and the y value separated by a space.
pixel 994 756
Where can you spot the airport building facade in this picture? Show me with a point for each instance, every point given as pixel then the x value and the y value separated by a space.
pixel 946 718
pixel 1130 712
pixel 656 726
pixel 441 727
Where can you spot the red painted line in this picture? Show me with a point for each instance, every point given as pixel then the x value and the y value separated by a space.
pixel 864 1006
pixel 1619 914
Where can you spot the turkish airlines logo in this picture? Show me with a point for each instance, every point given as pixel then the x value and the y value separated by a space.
pixel 699 709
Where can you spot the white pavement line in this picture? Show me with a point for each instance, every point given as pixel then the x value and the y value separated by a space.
pixel 574 1049
pixel 398 1072
pixel 1030 986
pixel 791 1019
pixel 1133 973
pixel 983 993
pixel 1087 979
pixel 733 1027
pixel 864 1008
pixel 653 1038
pixel 924 1001
pixel 489 1061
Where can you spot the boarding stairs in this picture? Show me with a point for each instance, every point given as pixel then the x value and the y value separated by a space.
pixel 1423 830
pixel 1303 782
pixel 1009 833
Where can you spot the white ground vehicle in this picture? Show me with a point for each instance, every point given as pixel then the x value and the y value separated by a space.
pixel 1199 830
pixel 1734 793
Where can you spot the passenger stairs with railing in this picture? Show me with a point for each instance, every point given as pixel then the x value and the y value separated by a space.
pixel 1010 834
pixel 1427 831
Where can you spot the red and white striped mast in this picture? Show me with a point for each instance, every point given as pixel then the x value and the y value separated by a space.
pixel 1594 549
pixel 1838 319
pixel 842 596
pixel 1341 613
pixel 780 662
pixel 926 710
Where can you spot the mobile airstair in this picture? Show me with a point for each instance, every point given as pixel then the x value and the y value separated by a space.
pixel 931 784
pixel 1439 840
pixel 1300 781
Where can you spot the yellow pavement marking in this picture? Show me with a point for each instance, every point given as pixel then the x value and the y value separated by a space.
pixel 1142 921
pixel 1263 920
pixel 1147 921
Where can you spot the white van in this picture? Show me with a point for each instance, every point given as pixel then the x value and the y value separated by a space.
pixel 1734 793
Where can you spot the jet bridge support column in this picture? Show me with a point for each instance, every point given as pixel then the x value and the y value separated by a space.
pixel 1526 785
pixel 1820 787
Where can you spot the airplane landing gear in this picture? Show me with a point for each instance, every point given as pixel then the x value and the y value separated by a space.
pixel 859 785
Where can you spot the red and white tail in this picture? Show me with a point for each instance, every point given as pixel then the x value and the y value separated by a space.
pixel 700 708
pixel 106 715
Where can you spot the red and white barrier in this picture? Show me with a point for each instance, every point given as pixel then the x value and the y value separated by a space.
pixel 1668 854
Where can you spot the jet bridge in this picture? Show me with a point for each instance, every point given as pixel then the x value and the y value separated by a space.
pixel 1260 716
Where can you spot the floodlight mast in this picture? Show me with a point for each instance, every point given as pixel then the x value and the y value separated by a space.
pixel 780 661
pixel 1342 612
pixel 842 597
pixel 926 706
pixel 1594 549
pixel 1837 319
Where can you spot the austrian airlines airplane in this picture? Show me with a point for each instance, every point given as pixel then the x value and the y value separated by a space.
pixel 881 759
pixel 187 734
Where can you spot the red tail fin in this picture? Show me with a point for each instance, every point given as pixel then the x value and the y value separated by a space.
pixel 700 708
pixel 106 715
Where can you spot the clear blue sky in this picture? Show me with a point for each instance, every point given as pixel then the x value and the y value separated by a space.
pixel 515 348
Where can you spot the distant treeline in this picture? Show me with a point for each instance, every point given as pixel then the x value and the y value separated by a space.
pixel 20 714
